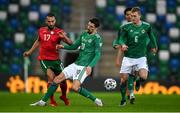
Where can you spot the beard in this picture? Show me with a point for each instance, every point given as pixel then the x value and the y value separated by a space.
pixel 89 31
pixel 51 27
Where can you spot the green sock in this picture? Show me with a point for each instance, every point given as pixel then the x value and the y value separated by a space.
pixel 84 92
pixel 139 79
pixel 123 90
pixel 131 83
pixel 52 88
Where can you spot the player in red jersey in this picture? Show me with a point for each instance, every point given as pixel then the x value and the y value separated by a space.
pixel 48 37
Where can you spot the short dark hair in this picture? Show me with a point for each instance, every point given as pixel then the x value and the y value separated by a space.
pixel 95 21
pixel 50 15
pixel 127 9
pixel 136 9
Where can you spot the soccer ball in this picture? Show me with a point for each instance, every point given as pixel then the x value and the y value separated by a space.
pixel 110 84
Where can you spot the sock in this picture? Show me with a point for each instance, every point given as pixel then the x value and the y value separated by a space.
pixel 52 88
pixel 123 90
pixel 52 96
pixel 131 84
pixel 84 92
pixel 63 86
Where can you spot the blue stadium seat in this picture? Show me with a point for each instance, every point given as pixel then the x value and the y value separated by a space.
pixel 8 44
pixel 153 70
pixel 15 68
pixel 131 3
pixel 14 23
pixel 174 64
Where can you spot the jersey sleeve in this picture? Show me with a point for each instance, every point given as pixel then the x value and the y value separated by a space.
pixel 74 46
pixel 152 37
pixel 115 41
pixel 98 47
pixel 122 35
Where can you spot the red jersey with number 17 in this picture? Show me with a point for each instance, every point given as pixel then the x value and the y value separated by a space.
pixel 48 40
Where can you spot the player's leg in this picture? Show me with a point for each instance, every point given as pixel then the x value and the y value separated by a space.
pixel 130 85
pixel 78 80
pixel 142 68
pixel 123 83
pixel 131 88
pixel 138 83
pixel 52 88
pixel 63 97
pixel 126 68
pixel 47 68
pixel 58 67
pixel 51 76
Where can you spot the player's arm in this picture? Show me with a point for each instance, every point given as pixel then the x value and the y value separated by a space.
pixel 65 38
pixel 74 46
pixel 32 49
pixel 153 41
pixel 115 41
pixel 123 39
pixel 118 57
pixel 98 46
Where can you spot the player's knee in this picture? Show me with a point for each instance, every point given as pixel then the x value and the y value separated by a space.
pixel 75 88
pixel 56 80
pixel 122 80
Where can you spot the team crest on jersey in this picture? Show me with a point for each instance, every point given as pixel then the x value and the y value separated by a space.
pixel 131 30
pixel 143 31
pixel 52 32
pixel 90 40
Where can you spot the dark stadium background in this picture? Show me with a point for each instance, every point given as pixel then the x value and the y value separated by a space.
pixel 19 20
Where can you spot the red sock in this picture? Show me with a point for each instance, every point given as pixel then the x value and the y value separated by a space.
pixel 63 86
pixel 52 97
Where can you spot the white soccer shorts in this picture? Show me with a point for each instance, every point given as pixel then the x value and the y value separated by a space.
pixel 133 64
pixel 75 72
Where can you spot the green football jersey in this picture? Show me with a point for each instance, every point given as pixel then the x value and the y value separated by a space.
pixel 136 38
pixel 90 49
pixel 115 41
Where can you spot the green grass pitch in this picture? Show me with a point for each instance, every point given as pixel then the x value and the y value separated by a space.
pixel 144 103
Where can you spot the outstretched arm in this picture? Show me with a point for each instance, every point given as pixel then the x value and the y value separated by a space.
pixel 65 39
pixel 33 48
pixel 74 46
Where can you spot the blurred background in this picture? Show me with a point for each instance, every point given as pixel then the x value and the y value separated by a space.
pixel 20 20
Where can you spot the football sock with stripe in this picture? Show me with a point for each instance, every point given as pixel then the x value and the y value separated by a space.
pixel 84 92
pixel 52 88
pixel 131 84
pixel 123 90
pixel 52 96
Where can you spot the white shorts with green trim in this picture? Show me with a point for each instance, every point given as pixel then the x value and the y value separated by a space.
pixel 133 64
pixel 75 72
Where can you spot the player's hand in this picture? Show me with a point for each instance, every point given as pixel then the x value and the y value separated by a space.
pixel 154 50
pixel 88 70
pixel 117 46
pixel 26 53
pixel 59 46
pixel 124 47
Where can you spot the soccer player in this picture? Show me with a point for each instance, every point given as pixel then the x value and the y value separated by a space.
pixel 90 43
pixel 48 37
pixel 133 41
pixel 120 54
